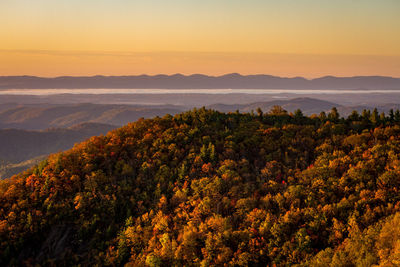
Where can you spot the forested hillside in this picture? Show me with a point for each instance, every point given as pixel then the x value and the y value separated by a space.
pixel 204 188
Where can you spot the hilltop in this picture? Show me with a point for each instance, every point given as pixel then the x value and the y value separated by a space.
pixel 206 188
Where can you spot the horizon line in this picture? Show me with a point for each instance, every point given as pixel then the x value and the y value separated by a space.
pixel 196 74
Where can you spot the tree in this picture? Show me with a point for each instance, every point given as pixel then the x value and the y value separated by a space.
pixel 391 115
pixel 334 115
pixel 322 116
pixel 277 110
pixel 259 112
pixel 354 116
pixel 375 117
pixel 298 116
pixel 397 116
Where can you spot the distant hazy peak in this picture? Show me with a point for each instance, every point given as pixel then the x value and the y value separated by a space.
pixel 200 81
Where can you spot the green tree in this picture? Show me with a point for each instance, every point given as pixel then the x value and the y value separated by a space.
pixel 334 115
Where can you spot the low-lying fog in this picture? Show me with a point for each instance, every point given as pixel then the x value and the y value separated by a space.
pixel 193 97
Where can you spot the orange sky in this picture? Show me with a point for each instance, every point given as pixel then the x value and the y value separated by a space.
pixel 308 38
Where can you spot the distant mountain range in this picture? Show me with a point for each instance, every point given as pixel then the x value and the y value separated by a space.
pixel 199 81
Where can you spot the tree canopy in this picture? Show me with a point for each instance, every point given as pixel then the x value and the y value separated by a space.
pixel 205 188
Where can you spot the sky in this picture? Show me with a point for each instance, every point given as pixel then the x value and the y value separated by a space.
pixel 309 38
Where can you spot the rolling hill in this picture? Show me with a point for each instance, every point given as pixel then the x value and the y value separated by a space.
pixel 21 149
pixel 39 117
pixel 204 188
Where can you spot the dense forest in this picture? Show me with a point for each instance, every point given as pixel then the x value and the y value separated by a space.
pixel 205 188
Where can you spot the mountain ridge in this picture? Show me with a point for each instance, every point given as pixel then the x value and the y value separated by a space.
pixel 21 149
pixel 45 116
pixel 199 81
pixel 39 117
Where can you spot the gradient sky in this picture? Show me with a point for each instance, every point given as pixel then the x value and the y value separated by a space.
pixel 308 38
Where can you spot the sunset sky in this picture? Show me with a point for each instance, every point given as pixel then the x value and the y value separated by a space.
pixel 308 38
